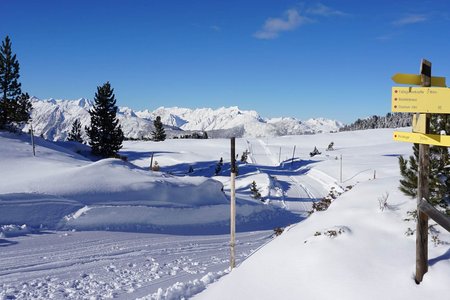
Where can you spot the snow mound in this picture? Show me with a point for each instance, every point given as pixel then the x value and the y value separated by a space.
pixel 58 189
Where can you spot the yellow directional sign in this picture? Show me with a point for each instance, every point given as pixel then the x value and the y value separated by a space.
pixel 421 100
pixel 419 123
pixel 420 138
pixel 416 79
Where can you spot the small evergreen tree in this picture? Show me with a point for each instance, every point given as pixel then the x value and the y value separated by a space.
pixel 244 156
pixel 314 152
pixel 75 133
pixel 255 191
pixel 330 147
pixel 15 106
pixel 218 167
pixel 105 133
pixel 156 167
pixel 159 133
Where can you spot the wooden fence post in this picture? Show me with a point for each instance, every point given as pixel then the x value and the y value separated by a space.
pixel 423 190
pixel 293 154
pixel 32 139
pixel 233 204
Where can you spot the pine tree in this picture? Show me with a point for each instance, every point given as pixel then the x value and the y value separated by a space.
pixel 439 180
pixel 75 133
pixel 218 167
pixel 105 133
pixel 255 191
pixel 159 133
pixel 15 106
pixel 244 156
pixel 408 170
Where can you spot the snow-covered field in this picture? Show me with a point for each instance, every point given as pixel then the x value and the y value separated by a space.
pixel 114 229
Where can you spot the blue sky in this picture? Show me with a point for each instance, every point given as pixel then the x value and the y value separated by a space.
pixel 303 59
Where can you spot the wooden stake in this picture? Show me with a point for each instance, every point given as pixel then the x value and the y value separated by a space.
pixel 279 156
pixel 293 153
pixel 423 190
pixel 340 177
pixel 32 139
pixel 151 163
pixel 233 204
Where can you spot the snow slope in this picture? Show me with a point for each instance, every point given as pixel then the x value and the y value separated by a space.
pixel 353 250
pixel 59 189
pixel 53 120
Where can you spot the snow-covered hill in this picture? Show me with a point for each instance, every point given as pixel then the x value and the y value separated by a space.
pixel 52 119
pixel 353 250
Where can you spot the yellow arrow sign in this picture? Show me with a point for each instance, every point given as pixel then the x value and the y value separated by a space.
pixel 415 79
pixel 419 138
pixel 421 100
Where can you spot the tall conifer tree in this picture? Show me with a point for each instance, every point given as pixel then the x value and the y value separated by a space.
pixel 105 133
pixel 15 106
pixel 159 133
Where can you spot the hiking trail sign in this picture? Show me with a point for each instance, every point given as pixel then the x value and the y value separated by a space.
pixel 423 101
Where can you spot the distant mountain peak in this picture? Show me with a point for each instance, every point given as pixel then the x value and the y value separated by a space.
pixel 53 119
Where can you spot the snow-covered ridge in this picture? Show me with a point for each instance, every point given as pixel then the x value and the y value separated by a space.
pixel 53 120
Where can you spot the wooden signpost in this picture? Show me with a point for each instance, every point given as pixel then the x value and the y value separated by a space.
pixel 423 101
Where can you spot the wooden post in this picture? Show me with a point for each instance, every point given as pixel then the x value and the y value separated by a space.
pixel 340 177
pixel 233 204
pixel 279 156
pixel 423 190
pixel 151 162
pixel 32 139
pixel 293 153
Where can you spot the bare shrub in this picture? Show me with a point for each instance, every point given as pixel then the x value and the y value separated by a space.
pixel 383 201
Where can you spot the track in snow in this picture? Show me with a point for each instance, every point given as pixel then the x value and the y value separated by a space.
pixel 98 265
pixel 300 188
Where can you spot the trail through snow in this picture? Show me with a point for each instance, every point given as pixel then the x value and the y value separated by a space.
pixel 299 184
pixel 99 265
pixel 127 265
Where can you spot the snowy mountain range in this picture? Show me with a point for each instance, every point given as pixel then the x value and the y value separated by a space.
pixel 52 119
